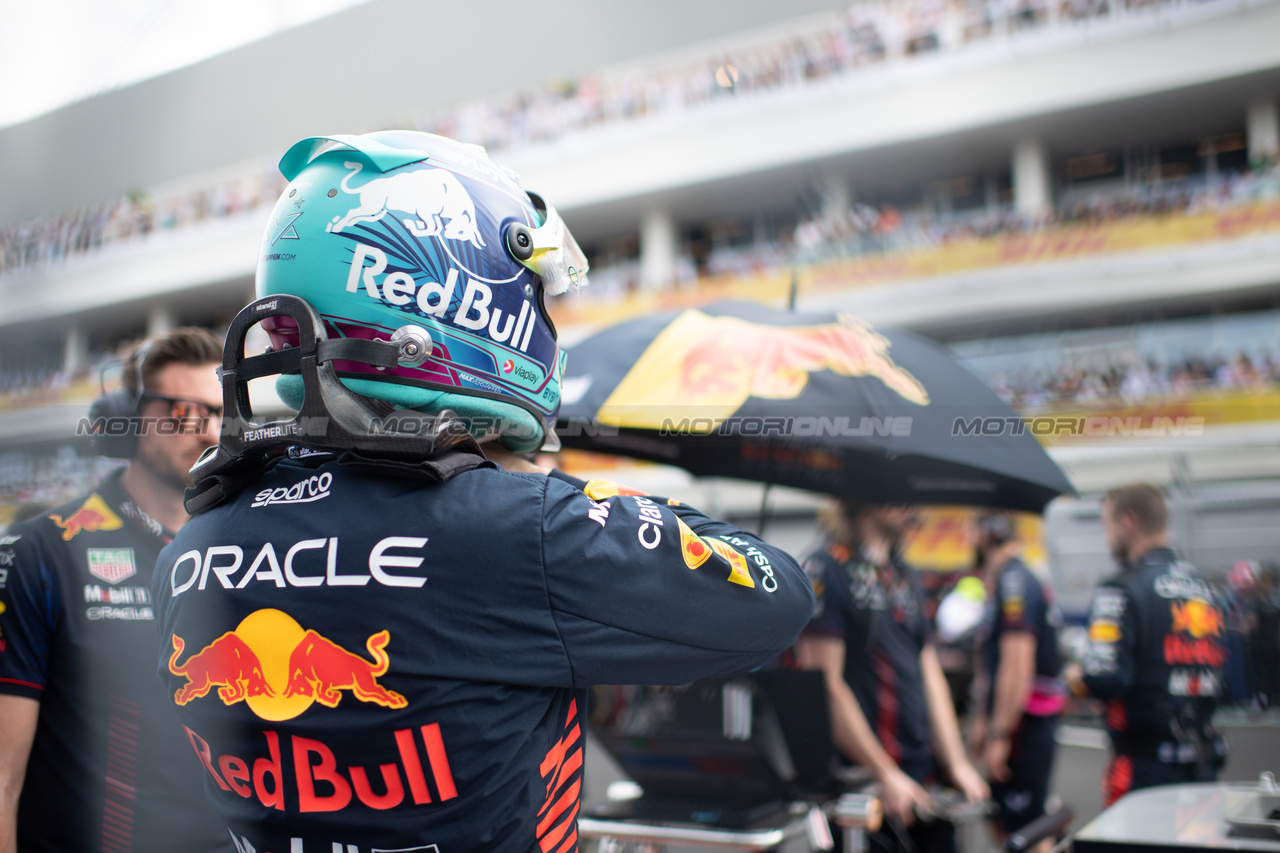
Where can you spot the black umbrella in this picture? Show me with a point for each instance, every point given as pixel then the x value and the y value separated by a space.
pixel 820 402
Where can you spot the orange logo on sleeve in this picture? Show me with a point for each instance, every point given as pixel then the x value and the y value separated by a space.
pixel 1104 632
pixel 598 490
pixel 737 563
pixel 1197 618
pixel 696 551
pixel 693 548
pixel 93 515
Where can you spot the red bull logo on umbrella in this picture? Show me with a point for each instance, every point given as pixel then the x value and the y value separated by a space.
pixel 278 669
pixel 711 365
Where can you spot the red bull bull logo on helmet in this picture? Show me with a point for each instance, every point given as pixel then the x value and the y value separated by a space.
pixel 93 515
pixel 711 365
pixel 437 203
pixel 278 669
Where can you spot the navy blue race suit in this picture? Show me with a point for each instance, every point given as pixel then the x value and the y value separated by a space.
pixel 1156 656
pixel 877 611
pixel 1023 603
pixel 109 770
pixel 384 664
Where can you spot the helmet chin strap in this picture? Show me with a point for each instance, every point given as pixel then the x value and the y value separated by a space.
pixel 331 417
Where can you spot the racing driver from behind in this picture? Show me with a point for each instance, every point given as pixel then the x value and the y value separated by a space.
pixel 383 641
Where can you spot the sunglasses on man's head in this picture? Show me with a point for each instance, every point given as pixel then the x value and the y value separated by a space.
pixel 186 410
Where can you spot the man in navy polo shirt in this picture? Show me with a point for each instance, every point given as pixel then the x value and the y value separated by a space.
pixel 891 709
pixel 1021 694
pixel 1156 655
pixel 91 755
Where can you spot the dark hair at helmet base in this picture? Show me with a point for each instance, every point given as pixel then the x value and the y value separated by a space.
pixel 331 418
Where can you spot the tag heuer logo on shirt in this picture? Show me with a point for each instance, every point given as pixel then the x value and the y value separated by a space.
pixel 111 564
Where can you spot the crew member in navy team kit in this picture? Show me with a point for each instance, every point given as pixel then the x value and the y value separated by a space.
pixel 1020 692
pixel 91 754
pixel 375 636
pixel 887 692
pixel 1156 654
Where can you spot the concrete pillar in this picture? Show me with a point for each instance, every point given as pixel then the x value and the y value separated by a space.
pixel 991 193
pixel 1032 186
pixel 657 250
pixel 836 197
pixel 941 192
pixel 1262 127
pixel 760 229
pixel 75 352
pixel 159 320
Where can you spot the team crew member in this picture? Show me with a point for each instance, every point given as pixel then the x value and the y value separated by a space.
pixel 1156 653
pixel 886 689
pixel 91 757
pixel 385 640
pixel 1024 696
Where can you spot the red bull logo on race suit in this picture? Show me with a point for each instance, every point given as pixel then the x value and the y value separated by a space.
pixel 292 773
pixel 279 669
pixel 227 663
pixel 708 366
pixel 322 669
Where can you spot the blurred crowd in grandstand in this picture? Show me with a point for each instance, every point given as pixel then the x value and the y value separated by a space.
pixel 865 229
pixel 1099 368
pixel 53 239
pixel 1085 386
pixel 30 481
pixel 869 33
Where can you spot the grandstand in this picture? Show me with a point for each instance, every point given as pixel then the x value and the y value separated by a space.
pixel 1081 197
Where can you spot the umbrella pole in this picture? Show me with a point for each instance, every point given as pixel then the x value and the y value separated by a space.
pixel 764 496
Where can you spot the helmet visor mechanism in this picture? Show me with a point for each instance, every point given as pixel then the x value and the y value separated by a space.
pixel 549 251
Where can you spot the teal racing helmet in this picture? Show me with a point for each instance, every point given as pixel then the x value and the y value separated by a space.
pixel 426 242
